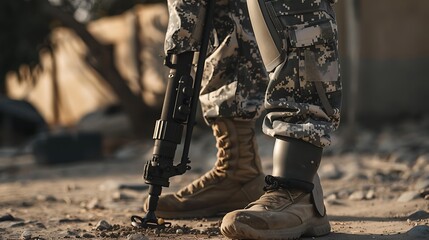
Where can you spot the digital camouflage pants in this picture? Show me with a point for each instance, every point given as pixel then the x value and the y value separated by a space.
pixel 301 96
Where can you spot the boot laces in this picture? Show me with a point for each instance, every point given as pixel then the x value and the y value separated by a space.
pixel 272 183
pixel 275 183
pixel 275 194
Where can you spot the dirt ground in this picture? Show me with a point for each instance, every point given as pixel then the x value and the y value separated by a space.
pixel 367 197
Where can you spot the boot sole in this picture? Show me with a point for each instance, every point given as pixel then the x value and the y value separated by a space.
pixel 238 230
pixel 212 211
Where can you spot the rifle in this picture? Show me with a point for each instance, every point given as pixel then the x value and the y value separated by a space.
pixel 178 111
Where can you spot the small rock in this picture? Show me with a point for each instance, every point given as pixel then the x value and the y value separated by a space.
pixel 40 225
pixel 114 235
pixel 408 196
pixel 26 235
pixel 6 217
pixel 419 232
pixel 70 233
pixel 88 235
pixel 16 224
pixel 370 194
pixel 358 195
pixel 424 192
pixel 179 231
pixel 120 196
pixel 331 199
pixel 332 196
pixel 329 171
pixel 103 225
pixel 137 237
pixel 69 220
pixel 344 194
pixel 46 198
pixel 26 204
pixel 419 215
pixel 422 184
pixel 94 204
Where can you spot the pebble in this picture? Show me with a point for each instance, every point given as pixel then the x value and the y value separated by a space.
pixel 88 235
pixel 329 171
pixel 419 215
pixel 424 192
pixel 40 225
pixel 419 232
pixel 16 224
pixel 46 198
pixel 343 194
pixel 409 196
pixel 26 235
pixel 68 220
pixel 331 196
pixel 332 200
pixel 422 184
pixel 26 204
pixel 103 225
pixel 120 196
pixel 6 217
pixel 370 194
pixel 358 195
pixel 137 237
pixel 70 233
pixel 94 204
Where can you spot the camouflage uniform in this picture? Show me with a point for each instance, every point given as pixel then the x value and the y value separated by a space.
pixel 302 95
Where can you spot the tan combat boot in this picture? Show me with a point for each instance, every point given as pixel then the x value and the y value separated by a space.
pixel 235 180
pixel 279 214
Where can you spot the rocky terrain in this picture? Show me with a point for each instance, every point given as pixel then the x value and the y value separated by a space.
pixel 376 187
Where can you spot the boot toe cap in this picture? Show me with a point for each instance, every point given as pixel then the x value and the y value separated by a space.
pixel 244 217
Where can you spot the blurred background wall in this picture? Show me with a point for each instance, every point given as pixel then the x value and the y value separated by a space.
pixel 393 80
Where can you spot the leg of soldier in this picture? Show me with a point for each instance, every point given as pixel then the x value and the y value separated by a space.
pixel 232 96
pixel 303 104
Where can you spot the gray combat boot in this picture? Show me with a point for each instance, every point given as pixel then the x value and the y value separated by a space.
pixel 235 180
pixel 292 205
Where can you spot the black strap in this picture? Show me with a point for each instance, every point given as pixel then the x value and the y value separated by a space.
pixel 324 98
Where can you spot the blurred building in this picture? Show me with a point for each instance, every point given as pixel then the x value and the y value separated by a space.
pixel 393 81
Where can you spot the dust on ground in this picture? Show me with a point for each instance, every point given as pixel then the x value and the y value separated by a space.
pixel 378 189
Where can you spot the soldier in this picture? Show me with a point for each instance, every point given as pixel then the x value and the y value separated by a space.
pixel 292 73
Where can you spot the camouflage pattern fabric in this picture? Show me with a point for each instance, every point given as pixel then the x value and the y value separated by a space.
pixel 234 80
pixel 235 84
pixel 294 105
